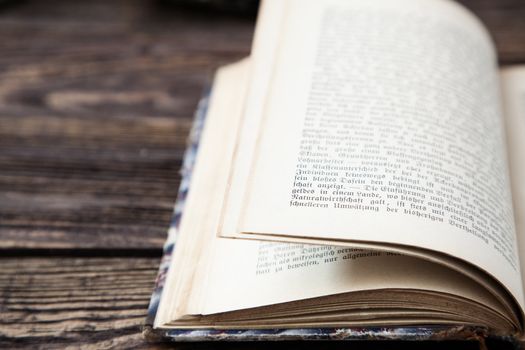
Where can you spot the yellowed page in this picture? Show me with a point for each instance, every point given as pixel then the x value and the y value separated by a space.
pixel 270 23
pixel 248 274
pixel 189 267
pixel 385 135
pixel 513 83
pixel 227 274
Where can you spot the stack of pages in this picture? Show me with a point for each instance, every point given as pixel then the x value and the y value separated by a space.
pixel 364 167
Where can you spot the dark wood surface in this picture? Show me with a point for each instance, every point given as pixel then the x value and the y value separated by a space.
pixel 96 100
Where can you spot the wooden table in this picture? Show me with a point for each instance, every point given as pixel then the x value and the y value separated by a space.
pixel 96 100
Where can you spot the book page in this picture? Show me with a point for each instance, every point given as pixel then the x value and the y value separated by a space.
pixel 270 23
pixel 208 178
pixel 209 274
pixel 513 83
pixel 394 135
pixel 272 273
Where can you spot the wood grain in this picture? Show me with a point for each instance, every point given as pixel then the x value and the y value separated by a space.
pixel 48 303
pixel 96 101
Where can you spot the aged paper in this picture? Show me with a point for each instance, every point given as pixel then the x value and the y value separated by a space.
pixel 513 83
pixel 385 138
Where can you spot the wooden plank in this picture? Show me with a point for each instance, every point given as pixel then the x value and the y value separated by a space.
pixel 96 101
pixel 82 303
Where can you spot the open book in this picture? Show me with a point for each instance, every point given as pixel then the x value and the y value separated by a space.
pixel 364 167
